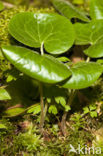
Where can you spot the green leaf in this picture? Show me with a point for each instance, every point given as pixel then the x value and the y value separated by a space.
pixel 48 100
pixel 83 32
pixel 83 75
pixel 89 33
pixel 96 9
pixel 14 112
pixel 78 2
pixel 100 61
pixel 12 74
pixel 86 110
pixel 53 109
pixel 4 95
pixel 60 100
pixel 1 6
pixel 53 31
pixel 92 107
pixel 45 68
pixel 95 50
pixel 10 78
pixel 2 126
pixel 93 114
pixel 63 59
pixel 67 108
pixel 69 11
pixel 35 109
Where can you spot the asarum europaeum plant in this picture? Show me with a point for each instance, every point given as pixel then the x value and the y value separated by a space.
pixel 56 34
pixel 90 32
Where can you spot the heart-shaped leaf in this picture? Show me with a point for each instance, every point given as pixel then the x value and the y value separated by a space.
pixel 52 30
pixel 83 75
pixel 44 68
pixel 89 33
pixel 69 11
pixel 96 9
pixel 4 95
pixel 95 51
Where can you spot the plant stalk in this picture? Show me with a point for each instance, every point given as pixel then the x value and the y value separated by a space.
pixel 45 109
pixel 88 59
pixel 63 121
pixel 42 49
pixel 42 116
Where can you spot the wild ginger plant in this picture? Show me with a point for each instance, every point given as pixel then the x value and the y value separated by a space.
pixel 89 35
pixel 54 34
pixel 49 31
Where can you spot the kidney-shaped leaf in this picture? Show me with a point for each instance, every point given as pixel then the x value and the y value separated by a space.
pixel 95 50
pixel 69 11
pixel 83 32
pixel 89 33
pixel 96 9
pixel 83 75
pixel 44 68
pixel 52 30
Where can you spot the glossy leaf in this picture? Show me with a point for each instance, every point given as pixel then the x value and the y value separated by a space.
pixel 69 11
pixel 96 9
pixel 95 51
pixel 1 6
pixel 52 30
pixel 89 33
pixel 83 75
pixel 4 95
pixel 45 68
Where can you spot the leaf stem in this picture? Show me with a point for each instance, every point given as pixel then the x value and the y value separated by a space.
pixel 42 49
pixel 63 122
pixel 88 59
pixel 42 116
pixel 45 109
pixel 43 113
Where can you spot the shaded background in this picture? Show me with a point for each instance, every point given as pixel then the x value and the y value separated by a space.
pixel 46 3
